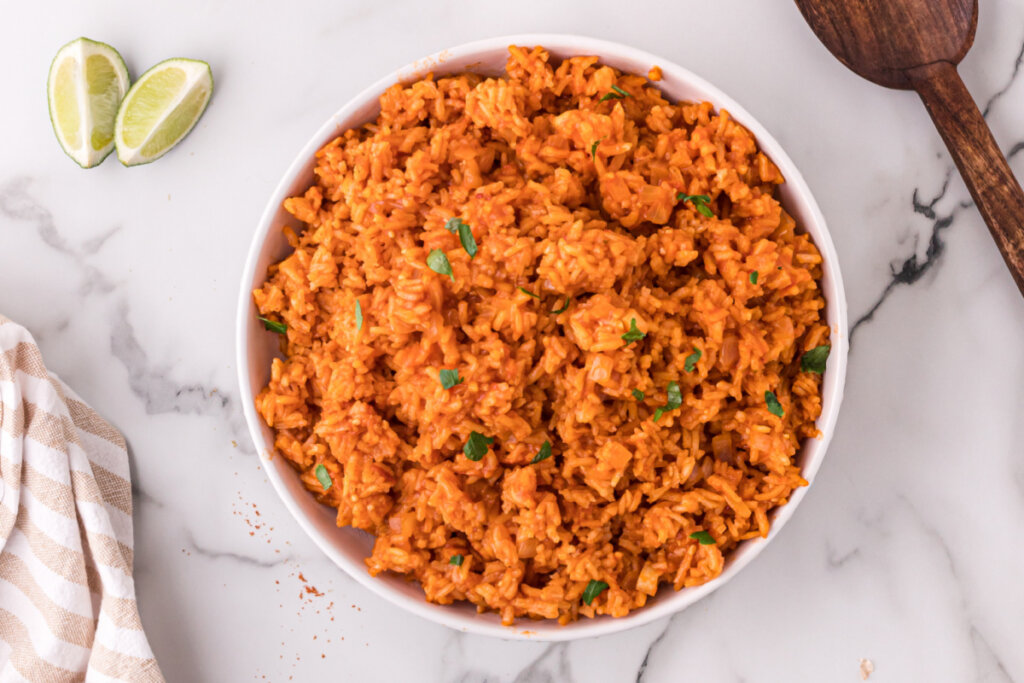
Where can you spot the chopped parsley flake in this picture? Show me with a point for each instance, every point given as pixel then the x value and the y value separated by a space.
pixel 703 537
pixel 774 407
pixel 543 454
pixel 273 325
pixel 449 378
pixel 456 560
pixel 814 360
pixel 529 293
pixel 690 364
pixel 593 589
pixel 359 316
pixel 638 395
pixel 634 333
pixel 593 149
pixel 564 308
pixel 466 237
pixel 699 201
pixel 616 94
pixel 476 446
pixel 675 399
pixel 452 225
pixel 438 263
pixel 323 477
pixel 753 278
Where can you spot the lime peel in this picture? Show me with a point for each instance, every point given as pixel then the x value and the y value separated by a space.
pixel 84 88
pixel 161 108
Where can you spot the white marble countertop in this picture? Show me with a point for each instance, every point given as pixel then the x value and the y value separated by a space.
pixel 907 550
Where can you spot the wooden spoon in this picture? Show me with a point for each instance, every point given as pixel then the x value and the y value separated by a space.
pixel 916 45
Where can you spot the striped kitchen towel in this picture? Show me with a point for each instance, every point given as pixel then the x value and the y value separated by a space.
pixel 67 598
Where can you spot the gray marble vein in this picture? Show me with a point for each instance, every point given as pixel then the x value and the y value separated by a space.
pixel 152 383
pixel 641 672
pixel 990 666
pixel 987 108
pixel 910 270
pixel 213 554
pixel 552 666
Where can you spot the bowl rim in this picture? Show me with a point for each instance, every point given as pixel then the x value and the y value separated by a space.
pixel 832 388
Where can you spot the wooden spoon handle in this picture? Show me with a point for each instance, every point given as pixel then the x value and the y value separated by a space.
pixel 983 167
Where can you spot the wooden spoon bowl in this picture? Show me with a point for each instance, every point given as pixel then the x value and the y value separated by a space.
pixel 916 45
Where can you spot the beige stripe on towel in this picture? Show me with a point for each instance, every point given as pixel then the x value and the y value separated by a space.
pixel 67 598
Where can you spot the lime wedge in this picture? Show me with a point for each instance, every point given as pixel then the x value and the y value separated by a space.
pixel 161 108
pixel 86 83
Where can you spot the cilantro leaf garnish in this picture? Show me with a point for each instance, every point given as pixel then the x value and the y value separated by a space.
pixel 703 537
pixel 814 360
pixel 273 325
pixel 564 308
pixel 699 201
pixel 593 589
pixel 543 454
pixel 476 446
pixel 674 400
pixel 690 364
pixel 438 262
pixel 772 401
pixel 323 476
pixel 466 237
pixel 449 378
pixel 634 333
pixel 616 94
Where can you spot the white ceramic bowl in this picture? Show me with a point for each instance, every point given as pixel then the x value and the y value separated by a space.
pixel 256 347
